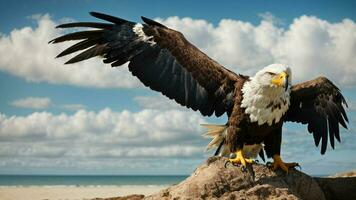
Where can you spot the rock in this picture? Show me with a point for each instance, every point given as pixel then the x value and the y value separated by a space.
pixel 213 181
pixel 341 186
pixel 129 197
pixel 344 174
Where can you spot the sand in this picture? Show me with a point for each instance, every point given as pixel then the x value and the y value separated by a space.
pixel 71 193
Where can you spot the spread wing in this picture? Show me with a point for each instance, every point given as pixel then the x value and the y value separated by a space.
pixel 319 104
pixel 160 57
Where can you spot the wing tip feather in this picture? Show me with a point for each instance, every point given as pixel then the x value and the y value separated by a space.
pixel 107 17
pixel 152 22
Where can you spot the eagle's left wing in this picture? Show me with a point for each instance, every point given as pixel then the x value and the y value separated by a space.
pixel 318 103
pixel 160 57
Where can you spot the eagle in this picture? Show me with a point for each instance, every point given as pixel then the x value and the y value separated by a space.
pixel 257 106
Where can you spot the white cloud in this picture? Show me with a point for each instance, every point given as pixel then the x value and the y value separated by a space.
pixel 311 46
pixel 44 103
pixel 267 16
pixel 109 141
pixel 159 102
pixel 25 52
pixel 126 128
pixel 32 102
pixel 104 139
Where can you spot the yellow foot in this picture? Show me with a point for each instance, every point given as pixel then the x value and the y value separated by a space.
pixel 278 163
pixel 240 159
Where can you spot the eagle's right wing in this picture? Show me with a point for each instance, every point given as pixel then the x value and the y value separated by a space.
pixel 319 104
pixel 160 57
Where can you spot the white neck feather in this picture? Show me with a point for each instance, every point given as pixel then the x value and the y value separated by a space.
pixel 264 104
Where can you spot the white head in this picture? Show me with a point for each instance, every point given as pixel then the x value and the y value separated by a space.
pixel 274 75
pixel 266 95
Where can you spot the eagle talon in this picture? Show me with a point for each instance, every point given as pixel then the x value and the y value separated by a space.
pixel 278 163
pixel 227 162
pixel 237 158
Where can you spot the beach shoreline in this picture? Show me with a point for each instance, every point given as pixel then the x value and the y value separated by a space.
pixel 74 192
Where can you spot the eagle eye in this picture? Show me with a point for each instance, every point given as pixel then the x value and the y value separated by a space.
pixel 271 73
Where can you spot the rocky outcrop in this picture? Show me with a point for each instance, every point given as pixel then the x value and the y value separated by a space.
pixel 339 188
pixel 129 197
pixel 344 174
pixel 212 180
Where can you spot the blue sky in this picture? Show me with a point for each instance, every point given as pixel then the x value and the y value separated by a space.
pixel 92 119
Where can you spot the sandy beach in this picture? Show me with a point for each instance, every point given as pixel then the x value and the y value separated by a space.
pixel 74 193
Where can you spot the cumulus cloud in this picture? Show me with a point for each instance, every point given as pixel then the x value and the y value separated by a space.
pixel 25 53
pixel 159 102
pixel 103 139
pixel 109 140
pixel 32 102
pixel 44 103
pixel 310 45
pixel 267 16
pixel 125 128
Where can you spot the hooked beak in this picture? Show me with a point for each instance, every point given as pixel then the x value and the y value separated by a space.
pixel 281 80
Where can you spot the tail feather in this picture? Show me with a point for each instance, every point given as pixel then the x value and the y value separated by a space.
pixel 214 142
pixel 217 132
pixel 213 129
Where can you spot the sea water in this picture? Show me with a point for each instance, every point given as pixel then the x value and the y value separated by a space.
pixel 85 181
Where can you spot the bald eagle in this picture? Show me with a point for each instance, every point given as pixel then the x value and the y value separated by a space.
pixel 257 106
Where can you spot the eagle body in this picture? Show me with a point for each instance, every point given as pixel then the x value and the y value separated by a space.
pixel 256 106
pixel 256 118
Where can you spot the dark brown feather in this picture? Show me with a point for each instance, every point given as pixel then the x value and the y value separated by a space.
pixel 86 25
pixel 92 52
pixel 210 74
pixel 78 36
pixel 167 62
pixel 109 18
pixel 79 46
pixel 319 104
pixel 152 23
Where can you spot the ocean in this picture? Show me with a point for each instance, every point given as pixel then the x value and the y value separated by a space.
pixel 86 181
pixel 90 180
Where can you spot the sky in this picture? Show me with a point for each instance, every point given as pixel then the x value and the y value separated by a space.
pixel 89 118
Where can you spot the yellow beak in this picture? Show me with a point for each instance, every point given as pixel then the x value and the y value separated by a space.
pixel 280 79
